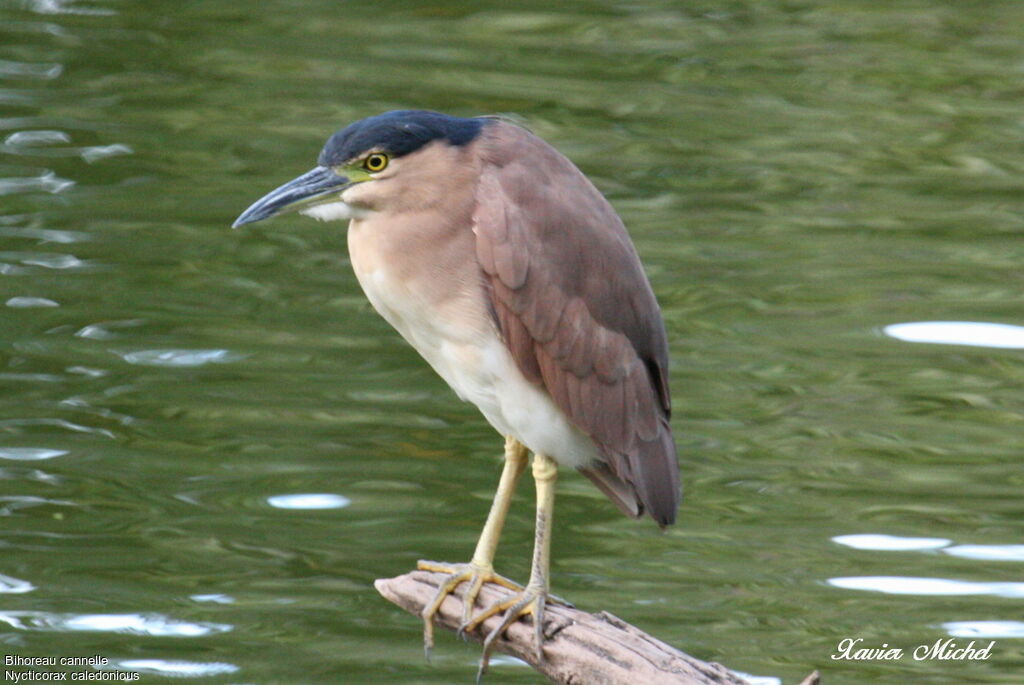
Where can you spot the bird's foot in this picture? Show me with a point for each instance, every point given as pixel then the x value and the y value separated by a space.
pixel 476 575
pixel 530 601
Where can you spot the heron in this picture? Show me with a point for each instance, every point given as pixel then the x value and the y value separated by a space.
pixel 500 262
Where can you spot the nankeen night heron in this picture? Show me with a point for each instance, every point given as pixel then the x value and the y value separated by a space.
pixel 496 258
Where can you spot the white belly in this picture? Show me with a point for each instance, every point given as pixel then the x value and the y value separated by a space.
pixel 459 340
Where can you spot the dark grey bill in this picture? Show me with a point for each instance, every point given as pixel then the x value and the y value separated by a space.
pixel 294 195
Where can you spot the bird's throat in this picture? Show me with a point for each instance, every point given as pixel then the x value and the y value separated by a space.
pixel 333 211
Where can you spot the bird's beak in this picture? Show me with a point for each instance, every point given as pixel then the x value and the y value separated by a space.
pixel 296 194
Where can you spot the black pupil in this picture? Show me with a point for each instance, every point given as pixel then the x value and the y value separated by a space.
pixel 376 162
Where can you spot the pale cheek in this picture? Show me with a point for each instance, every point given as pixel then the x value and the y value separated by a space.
pixel 355 195
pixel 376 194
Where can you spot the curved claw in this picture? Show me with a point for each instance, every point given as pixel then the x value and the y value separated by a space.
pixel 531 601
pixel 476 575
pixel 431 609
pixel 469 600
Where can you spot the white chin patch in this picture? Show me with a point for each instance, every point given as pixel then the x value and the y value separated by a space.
pixel 333 211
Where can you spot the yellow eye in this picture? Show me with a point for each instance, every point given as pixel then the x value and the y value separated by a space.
pixel 378 161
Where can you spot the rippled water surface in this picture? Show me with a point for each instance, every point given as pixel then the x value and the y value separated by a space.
pixel 210 446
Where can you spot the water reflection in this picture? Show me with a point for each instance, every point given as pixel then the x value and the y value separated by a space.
pixel 990 629
pixel 975 333
pixel 310 501
pixel 30 453
pixel 37 27
pixel 153 625
pixel 87 371
pixel 30 302
pixel 67 7
pixel 32 70
pixel 180 358
pixel 10 505
pixel 13 426
pixel 47 182
pixel 890 542
pixel 897 585
pixel 506 660
pixel 43 235
pixel 987 552
pixel 35 475
pixel 759 679
pixel 14 586
pixel 175 669
pixel 97 152
pixel 214 598
pixel 30 146
pixel 105 330
pixel 48 260
pixel 32 138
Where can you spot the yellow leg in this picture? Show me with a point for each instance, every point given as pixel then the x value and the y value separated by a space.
pixel 533 598
pixel 481 568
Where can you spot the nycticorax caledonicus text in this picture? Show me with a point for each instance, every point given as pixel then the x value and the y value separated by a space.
pixel 503 265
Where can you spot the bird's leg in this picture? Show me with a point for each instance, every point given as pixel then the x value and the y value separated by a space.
pixel 481 568
pixel 533 598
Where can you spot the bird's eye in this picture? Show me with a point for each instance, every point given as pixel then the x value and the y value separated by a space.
pixel 378 161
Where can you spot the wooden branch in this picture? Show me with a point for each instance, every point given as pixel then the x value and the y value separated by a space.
pixel 579 648
pixel 813 679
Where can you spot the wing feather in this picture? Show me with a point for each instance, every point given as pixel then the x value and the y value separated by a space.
pixel 576 311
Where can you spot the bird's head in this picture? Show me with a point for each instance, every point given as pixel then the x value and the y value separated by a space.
pixel 385 160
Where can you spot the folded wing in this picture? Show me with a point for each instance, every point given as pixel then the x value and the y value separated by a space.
pixel 575 309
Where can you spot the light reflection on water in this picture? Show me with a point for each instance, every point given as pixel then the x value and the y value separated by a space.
pixel 68 7
pixel 29 70
pixel 33 138
pixel 989 629
pixel 988 552
pixel 180 358
pixel 309 501
pixel 175 669
pixel 927 587
pixel 14 586
pixel 899 585
pixel 47 182
pixel 26 302
pixel 48 260
pixel 974 333
pixel 153 625
pixel 890 542
pixel 215 598
pixel 759 680
pixel 30 453
pixel 43 235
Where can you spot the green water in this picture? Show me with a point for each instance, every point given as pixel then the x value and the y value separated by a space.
pixel 796 175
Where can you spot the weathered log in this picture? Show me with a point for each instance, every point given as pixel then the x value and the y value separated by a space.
pixel 579 648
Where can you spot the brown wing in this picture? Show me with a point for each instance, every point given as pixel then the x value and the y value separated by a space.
pixel 573 305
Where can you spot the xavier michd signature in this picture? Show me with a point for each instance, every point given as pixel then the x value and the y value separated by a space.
pixel 854 649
